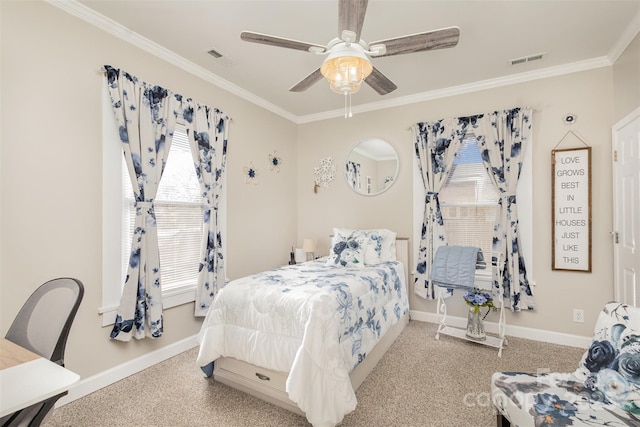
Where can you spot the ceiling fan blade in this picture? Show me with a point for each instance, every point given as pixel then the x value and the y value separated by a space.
pixel 380 83
pixel 307 82
pixel 351 16
pixel 430 40
pixel 252 37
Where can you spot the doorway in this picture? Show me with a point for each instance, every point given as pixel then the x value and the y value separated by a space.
pixel 626 208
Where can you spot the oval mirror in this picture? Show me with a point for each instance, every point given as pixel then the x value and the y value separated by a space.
pixel 371 167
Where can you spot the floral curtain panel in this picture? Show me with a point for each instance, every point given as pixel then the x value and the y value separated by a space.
pixel 503 137
pixel 207 130
pixel 436 144
pixel 146 117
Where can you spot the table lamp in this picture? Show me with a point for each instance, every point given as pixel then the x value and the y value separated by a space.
pixel 309 246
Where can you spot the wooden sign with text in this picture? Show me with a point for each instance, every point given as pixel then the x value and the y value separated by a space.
pixel 571 209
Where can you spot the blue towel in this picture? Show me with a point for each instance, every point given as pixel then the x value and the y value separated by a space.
pixel 454 266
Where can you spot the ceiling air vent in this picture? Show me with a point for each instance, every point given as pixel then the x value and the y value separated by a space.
pixel 220 58
pixel 215 53
pixel 529 58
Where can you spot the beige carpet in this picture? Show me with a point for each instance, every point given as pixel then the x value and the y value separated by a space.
pixel 419 382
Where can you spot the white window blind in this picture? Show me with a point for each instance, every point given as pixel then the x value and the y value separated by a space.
pixel 179 216
pixel 468 200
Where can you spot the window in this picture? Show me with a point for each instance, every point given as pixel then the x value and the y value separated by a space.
pixel 179 211
pixel 178 206
pixel 468 202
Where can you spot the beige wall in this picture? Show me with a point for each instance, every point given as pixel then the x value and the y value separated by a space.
pixel 587 95
pixel 51 172
pixel 626 81
pixel 50 175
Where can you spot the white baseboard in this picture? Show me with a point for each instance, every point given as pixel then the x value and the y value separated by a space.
pixel 513 331
pixel 117 373
pixel 94 383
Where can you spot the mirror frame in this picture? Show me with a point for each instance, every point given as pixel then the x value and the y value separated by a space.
pixel 388 151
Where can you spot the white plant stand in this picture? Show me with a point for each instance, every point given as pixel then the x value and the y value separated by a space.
pixel 492 341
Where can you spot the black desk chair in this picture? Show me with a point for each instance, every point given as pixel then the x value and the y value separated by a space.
pixel 42 326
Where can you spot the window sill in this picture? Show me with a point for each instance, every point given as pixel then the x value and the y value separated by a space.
pixel 172 297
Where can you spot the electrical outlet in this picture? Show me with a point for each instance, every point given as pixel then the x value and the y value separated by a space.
pixel 578 315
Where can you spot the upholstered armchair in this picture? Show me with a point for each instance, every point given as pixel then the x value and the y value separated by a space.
pixel 603 391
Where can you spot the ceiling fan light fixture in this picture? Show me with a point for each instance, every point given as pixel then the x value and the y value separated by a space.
pixel 348 61
pixel 345 68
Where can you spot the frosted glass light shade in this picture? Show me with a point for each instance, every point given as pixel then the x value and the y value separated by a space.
pixel 345 68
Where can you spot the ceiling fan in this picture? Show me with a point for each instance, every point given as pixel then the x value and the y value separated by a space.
pixel 348 60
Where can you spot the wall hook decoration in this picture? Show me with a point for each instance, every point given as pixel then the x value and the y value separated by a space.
pixel 275 161
pixel 325 173
pixel 569 119
pixel 250 174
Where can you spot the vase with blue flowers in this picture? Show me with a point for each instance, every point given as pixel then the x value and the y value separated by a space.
pixel 475 299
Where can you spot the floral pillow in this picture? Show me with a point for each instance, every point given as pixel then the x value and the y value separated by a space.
pixel 612 364
pixel 347 249
pixel 380 244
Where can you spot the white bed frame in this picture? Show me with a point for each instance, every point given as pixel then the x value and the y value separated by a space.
pixel 269 385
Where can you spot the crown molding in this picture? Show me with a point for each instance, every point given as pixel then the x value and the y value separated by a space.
pixel 627 37
pixel 90 16
pixel 79 10
pixel 559 70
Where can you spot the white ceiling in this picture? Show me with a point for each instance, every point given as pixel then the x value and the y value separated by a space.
pixel 574 34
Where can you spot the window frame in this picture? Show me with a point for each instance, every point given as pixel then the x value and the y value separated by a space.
pixel 524 194
pixel 113 271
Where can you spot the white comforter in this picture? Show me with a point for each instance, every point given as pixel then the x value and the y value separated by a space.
pixel 315 321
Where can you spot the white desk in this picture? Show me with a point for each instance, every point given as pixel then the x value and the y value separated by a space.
pixel 26 378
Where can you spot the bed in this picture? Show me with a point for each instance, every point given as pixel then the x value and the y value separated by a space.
pixel 304 337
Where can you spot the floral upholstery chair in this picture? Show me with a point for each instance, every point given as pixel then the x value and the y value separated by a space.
pixel 603 391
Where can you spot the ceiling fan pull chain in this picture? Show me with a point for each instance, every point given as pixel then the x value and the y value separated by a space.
pixel 345 105
pixel 347 110
pixel 350 114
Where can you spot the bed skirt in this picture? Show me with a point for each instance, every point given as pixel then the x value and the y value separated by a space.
pixel 269 385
